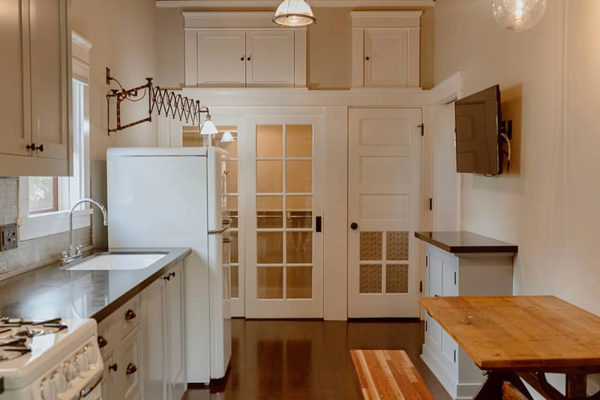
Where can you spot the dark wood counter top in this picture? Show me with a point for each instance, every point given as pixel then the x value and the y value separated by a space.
pixel 466 242
pixel 51 292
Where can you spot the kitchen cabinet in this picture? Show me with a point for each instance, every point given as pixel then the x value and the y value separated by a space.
pixel 143 343
pixel 449 274
pixel 242 49
pixel 34 111
pixel 386 49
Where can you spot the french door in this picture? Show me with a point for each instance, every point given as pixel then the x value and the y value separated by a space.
pixel 284 204
pixel 384 208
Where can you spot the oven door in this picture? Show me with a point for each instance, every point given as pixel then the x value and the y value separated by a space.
pixel 93 391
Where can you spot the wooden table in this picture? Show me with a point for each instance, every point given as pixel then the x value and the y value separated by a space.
pixel 523 336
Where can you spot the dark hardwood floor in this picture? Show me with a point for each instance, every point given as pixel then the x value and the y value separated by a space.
pixel 309 360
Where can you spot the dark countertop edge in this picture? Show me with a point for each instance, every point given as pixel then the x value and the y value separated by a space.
pixel 169 263
pixel 500 248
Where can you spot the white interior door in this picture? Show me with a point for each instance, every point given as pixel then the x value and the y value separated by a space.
pixel 384 207
pixel 284 243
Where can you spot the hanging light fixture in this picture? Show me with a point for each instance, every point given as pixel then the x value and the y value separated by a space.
pixel 294 13
pixel 518 15
pixel 208 128
pixel 227 137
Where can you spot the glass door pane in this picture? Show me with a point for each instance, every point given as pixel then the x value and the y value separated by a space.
pixel 284 210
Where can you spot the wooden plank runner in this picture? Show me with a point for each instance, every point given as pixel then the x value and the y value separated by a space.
pixel 388 375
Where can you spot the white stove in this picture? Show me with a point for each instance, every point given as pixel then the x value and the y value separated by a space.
pixel 50 360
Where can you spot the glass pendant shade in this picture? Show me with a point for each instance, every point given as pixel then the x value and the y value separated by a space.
pixel 227 137
pixel 518 15
pixel 294 13
pixel 209 128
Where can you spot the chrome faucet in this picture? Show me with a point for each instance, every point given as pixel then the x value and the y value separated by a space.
pixel 74 252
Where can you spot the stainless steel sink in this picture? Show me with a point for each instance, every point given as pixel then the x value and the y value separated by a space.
pixel 117 261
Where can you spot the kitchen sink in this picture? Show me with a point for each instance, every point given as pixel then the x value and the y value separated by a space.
pixel 115 261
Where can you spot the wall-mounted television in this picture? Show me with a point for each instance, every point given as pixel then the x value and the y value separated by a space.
pixel 479 129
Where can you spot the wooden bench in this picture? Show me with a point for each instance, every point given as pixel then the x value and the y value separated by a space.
pixel 388 375
pixel 510 392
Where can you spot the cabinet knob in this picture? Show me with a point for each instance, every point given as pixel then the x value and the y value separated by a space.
pixel 367 58
pixel 167 278
pixel 131 369
pixel 40 148
pixel 102 343
pixel 243 58
pixel 249 59
pixel 172 274
pixel 31 147
pixel 354 226
pixel 130 315
pixel 113 367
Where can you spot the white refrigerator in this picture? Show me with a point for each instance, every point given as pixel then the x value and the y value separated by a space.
pixel 172 197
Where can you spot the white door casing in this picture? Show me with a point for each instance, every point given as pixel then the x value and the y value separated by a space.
pixel 384 200
pixel 282 225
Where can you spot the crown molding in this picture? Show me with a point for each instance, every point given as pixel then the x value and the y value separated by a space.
pixel 274 3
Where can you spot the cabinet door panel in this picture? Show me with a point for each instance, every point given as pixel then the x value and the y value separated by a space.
pixel 436 267
pixel 450 352
pixel 130 382
pixel 15 128
pixel 176 335
pixel 108 379
pixel 154 325
pixel 50 85
pixel 272 60
pixel 386 57
pixel 450 276
pixel 221 58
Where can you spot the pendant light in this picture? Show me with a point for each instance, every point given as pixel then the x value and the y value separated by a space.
pixel 227 137
pixel 294 13
pixel 518 15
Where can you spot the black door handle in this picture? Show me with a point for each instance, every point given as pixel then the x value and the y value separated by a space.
pixel 354 226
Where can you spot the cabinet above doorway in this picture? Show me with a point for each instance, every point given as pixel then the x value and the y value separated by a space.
pixel 386 49
pixel 242 49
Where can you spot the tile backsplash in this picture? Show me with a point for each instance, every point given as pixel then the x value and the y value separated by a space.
pixel 36 252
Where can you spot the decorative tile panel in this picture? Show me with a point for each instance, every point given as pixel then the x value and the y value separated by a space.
pixel 371 246
pixel 370 278
pixel 396 278
pixel 396 246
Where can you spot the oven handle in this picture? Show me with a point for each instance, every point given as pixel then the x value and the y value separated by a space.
pixel 84 392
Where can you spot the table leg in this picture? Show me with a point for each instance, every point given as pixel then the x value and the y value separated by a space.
pixel 492 386
pixel 576 386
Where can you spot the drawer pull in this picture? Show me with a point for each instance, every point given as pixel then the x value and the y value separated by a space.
pixel 167 277
pixel 130 315
pixel 102 343
pixel 172 274
pixel 113 367
pixel 131 369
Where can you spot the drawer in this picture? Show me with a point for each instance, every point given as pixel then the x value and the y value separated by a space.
pixel 129 316
pixel 108 336
pixel 130 373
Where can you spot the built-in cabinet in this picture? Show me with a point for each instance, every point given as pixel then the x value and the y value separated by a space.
pixel 448 274
pixel 242 49
pixel 386 49
pixel 35 106
pixel 143 343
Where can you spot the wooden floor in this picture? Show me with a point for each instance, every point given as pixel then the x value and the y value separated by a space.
pixel 309 360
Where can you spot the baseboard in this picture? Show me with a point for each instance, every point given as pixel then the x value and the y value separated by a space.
pixel 462 391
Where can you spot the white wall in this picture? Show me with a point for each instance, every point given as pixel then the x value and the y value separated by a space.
pixel 123 36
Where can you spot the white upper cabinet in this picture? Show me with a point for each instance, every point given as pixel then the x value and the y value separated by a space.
pixel 386 49
pixel 34 112
pixel 221 58
pixel 242 49
pixel 270 58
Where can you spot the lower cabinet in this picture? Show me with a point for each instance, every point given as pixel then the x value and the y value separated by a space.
pixel 448 274
pixel 143 346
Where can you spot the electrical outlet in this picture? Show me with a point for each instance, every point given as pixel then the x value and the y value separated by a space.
pixel 8 237
pixel 3 267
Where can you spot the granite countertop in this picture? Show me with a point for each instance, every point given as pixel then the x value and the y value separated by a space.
pixel 51 292
pixel 466 242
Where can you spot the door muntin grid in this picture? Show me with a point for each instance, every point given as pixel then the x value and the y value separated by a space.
pixel 285 211
pixel 384 263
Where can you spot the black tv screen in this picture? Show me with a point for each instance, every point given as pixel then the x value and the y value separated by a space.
pixel 478 121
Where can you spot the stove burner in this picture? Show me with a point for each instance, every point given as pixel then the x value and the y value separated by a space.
pixel 28 333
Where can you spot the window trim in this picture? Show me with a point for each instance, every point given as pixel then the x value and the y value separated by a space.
pixel 54 207
pixel 37 224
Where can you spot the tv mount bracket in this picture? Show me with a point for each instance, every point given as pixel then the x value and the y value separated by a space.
pixel 506 133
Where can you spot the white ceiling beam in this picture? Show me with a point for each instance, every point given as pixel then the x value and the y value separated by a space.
pixel 274 3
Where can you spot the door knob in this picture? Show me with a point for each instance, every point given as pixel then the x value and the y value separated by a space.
pixel 354 226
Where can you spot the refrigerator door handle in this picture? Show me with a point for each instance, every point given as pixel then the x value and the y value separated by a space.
pixel 219 232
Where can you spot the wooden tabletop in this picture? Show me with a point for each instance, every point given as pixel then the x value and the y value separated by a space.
pixel 520 333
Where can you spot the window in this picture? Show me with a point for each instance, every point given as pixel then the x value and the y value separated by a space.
pixel 45 202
